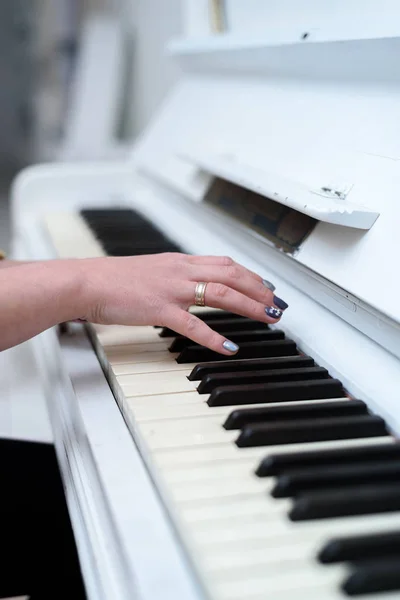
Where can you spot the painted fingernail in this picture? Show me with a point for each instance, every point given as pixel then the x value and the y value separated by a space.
pixel 230 346
pixel 280 303
pixel 269 285
pixel 273 312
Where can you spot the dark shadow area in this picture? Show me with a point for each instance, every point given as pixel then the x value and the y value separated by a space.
pixel 39 557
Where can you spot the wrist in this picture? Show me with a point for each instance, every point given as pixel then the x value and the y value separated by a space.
pixel 65 285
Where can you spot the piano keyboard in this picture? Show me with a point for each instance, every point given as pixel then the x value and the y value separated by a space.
pixel 280 484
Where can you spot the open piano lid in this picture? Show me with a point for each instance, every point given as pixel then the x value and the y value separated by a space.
pixel 312 124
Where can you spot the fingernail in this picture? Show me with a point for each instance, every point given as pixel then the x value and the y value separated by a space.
pixel 269 285
pixel 230 346
pixel 273 312
pixel 280 303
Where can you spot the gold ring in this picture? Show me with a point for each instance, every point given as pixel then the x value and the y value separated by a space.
pixel 199 294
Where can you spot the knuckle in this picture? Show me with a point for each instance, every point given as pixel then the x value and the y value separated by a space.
pixel 221 290
pixel 165 315
pixel 215 339
pixel 227 261
pixel 255 308
pixel 234 272
pixel 190 324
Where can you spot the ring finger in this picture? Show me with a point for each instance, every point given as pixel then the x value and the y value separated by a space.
pixel 218 295
pixel 241 280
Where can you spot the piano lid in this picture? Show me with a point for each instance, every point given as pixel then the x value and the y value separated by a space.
pixel 310 122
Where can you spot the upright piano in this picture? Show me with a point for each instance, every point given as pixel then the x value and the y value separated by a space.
pixel 274 474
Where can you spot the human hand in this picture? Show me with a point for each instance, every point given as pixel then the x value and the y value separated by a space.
pixel 159 289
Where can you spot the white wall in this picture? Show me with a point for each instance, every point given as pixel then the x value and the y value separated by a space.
pixel 153 23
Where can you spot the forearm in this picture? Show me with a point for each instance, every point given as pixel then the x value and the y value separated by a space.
pixel 35 297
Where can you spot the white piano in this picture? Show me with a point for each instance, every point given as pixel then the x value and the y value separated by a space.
pixel 280 148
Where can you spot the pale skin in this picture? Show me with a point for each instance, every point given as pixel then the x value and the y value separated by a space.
pixel 145 290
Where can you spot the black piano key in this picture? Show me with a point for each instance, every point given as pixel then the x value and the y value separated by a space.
pixel 121 219
pixel 295 483
pixel 274 348
pixel 374 577
pixel 242 416
pixel 105 214
pixel 124 232
pixel 211 382
pixel 132 241
pixel 275 464
pixel 310 430
pixel 134 251
pixel 360 547
pixel 209 316
pixel 237 323
pixel 128 232
pixel 251 364
pixel 220 325
pixel 258 335
pixel 359 500
pixel 276 392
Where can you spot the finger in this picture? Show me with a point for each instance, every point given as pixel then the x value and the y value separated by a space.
pixel 236 271
pixel 222 261
pixel 218 295
pixel 236 277
pixel 193 328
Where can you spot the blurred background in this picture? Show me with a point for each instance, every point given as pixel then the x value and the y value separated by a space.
pixel 79 80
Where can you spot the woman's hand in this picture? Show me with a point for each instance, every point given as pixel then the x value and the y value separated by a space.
pixel 159 289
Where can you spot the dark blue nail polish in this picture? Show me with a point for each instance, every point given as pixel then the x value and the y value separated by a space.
pixel 280 303
pixel 273 312
pixel 269 285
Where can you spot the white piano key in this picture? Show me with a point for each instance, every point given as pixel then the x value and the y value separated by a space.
pixel 307 594
pixel 281 562
pixel 313 578
pixel 157 410
pixel 145 384
pixel 193 411
pixel 175 418
pixel 131 368
pixel 226 511
pixel 234 488
pixel 71 237
pixel 276 528
pixel 137 355
pixel 277 552
pixel 133 350
pixel 235 560
pixel 223 560
pixel 122 335
pixel 166 400
pixel 228 452
pixel 219 472
pixel 157 440
pixel 178 426
pixel 163 436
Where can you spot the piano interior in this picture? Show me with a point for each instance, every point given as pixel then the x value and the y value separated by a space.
pixel 274 474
